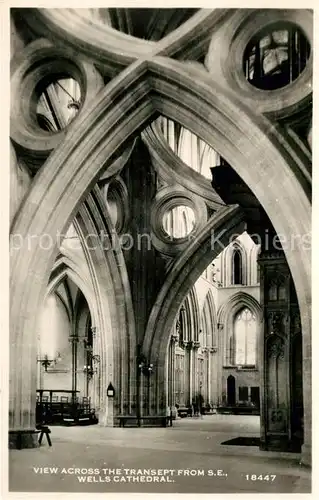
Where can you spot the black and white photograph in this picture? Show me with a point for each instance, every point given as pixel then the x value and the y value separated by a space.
pixel 160 274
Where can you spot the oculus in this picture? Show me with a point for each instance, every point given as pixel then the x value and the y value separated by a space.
pixel 276 56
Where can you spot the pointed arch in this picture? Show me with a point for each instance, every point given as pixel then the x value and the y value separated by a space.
pixel 112 292
pixel 66 267
pixel 235 271
pixel 209 320
pixel 234 304
pixel 127 104
pixel 192 314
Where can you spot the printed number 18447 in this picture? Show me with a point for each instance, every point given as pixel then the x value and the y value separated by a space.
pixel 260 477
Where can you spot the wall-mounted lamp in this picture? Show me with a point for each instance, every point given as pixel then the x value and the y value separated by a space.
pixel 144 366
pixel 110 391
pixel 46 362
pixel 87 345
pixel 89 369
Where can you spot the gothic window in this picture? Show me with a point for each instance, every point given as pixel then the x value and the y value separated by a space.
pixel 245 332
pixel 237 267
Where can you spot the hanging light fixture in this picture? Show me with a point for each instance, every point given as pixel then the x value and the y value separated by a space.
pixel 46 362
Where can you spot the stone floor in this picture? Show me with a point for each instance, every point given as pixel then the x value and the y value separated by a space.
pixel 187 458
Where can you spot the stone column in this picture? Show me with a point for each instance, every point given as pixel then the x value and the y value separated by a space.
pixel 189 371
pixel 213 375
pixel 171 370
pixel 194 349
pixel 92 393
pixel 220 362
pixel 207 365
pixel 281 381
pixel 74 339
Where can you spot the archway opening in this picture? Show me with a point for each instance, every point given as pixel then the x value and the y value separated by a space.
pixel 216 351
pixel 57 218
pixel 67 366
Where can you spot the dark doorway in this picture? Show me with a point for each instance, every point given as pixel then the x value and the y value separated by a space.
pixel 255 396
pixel 231 391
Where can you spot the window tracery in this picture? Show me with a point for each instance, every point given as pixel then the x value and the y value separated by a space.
pixel 245 333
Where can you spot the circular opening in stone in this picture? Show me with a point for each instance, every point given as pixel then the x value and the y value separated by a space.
pixel 58 104
pixel 276 56
pixel 179 221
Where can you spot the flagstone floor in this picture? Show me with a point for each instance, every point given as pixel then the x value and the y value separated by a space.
pixel 185 458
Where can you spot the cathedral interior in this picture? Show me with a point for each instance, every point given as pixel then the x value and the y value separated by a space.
pixel 160 219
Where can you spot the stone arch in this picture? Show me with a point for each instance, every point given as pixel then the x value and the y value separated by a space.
pixel 236 302
pixel 114 50
pixel 170 88
pixel 112 291
pixel 65 268
pixel 104 278
pixel 192 315
pixel 186 270
pixel 209 319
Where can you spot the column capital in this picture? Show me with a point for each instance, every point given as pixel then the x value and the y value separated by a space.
pixel 174 338
pixel 74 339
pixel 189 345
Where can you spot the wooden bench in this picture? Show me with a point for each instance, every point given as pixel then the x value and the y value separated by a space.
pixel 164 420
